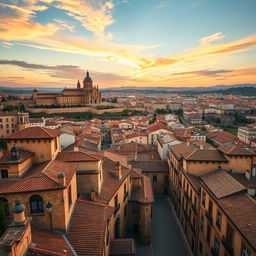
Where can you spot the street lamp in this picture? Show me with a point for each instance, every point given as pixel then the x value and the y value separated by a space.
pixel 49 208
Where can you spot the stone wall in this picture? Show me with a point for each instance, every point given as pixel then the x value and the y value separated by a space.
pixel 74 110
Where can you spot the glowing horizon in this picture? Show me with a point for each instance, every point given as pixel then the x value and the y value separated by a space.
pixel 151 43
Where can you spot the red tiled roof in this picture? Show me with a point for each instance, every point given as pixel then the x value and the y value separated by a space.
pixel 150 166
pixel 110 182
pixel 143 193
pixel 221 184
pixel 87 230
pixel 158 126
pixel 35 133
pixel 77 156
pixel 236 151
pixel 241 210
pixel 23 155
pixel 43 177
pixel 122 247
pixel 52 243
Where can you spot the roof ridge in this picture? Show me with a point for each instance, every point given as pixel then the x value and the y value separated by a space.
pixel 95 203
pixel 44 129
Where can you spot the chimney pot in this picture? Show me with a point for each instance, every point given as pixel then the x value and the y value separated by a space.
pixel 118 172
pixel 93 196
pixel 18 210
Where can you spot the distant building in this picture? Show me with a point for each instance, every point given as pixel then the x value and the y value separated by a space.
pixel 88 94
pixel 11 122
pixel 247 133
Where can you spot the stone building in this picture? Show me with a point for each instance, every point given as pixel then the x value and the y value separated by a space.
pixel 78 203
pixel 87 93
pixel 204 193
pixel 11 122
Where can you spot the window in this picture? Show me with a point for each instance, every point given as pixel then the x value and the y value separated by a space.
pixel 116 201
pixel 36 204
pixel 125 210
pixel 244 251
pixel 7 120
pixel 154 178
pixel 1 120
pixel 4 174
pixel 4 205
pixel 69 196
pixel 166 179
pixel 203 199
pixel 208 233
pixel 7 125
pixel 218 220
pixel 202 223
pixel 216 246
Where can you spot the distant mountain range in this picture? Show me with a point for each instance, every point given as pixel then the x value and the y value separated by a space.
pixel 237 89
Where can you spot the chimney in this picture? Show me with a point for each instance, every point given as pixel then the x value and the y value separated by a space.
pixel 118 172
pixel 93 196
pixel 76 149
pixel 62 178
pixel 1 152
pixel 18 210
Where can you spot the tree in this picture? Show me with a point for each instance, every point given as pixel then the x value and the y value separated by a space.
pixel 3 220
pixel 3 143
pixel 114 100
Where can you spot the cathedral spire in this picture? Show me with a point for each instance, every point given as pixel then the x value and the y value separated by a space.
pixel 78 84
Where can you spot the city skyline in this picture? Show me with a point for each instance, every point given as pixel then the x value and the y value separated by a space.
pixel 127 43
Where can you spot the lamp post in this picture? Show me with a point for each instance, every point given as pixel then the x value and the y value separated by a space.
pixel 49 208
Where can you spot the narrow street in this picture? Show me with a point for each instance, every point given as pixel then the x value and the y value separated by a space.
pixel 166 236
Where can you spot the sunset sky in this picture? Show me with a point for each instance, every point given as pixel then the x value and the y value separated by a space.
pixel 127 42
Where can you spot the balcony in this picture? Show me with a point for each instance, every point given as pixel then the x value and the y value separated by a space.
pixel 116 209
pixel 227 245
pixel 208 216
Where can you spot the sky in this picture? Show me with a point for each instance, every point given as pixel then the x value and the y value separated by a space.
pixel 149 43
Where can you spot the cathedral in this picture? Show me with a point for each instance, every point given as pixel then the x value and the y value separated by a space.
pixel 81 95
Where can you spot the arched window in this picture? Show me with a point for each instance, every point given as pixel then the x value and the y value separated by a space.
pixel 36 204
pixel 4 204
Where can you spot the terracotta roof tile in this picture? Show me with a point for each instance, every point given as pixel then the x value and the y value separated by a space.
pixel 40 177
pixel 78 156
pixel 35 133
pixel 241 210
pixel 122 247
pixel 236 151
pixel 87 229
pixel 23 155
pixel 221 184
pixel 52 243
pixel 158 126
pixel 110 182
pixel 150 166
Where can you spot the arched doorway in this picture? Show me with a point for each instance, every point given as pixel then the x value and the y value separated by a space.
pixel 117 228
pixel 5 205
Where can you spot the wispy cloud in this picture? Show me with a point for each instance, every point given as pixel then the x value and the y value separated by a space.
pixel 211 38
pixel 210 73
pixel 162 5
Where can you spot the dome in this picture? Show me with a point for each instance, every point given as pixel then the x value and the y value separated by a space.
pixel 87 80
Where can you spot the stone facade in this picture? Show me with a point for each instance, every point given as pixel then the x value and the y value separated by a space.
pixel 88 94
